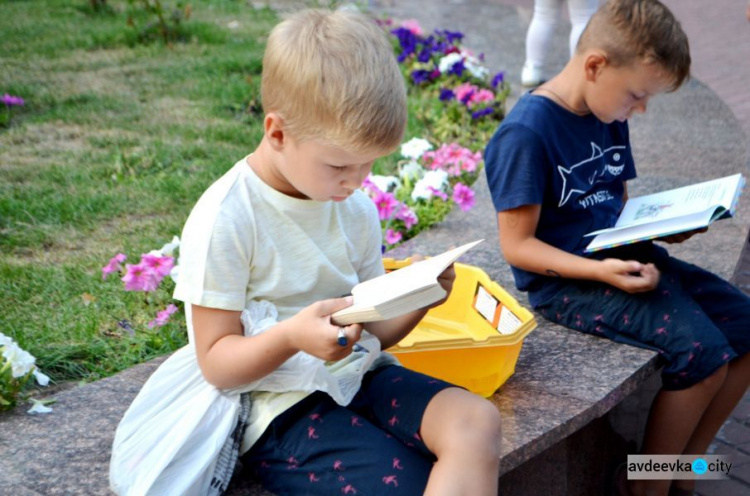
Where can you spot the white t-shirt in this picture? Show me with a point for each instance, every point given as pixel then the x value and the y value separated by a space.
pixel 246 241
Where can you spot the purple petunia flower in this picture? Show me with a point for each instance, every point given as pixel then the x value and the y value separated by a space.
pixel 450 36
pixel 10 100
pixel 498 78
pixel 458 68
pixel 481 113
pixel 407 40
pixel 446 95
pixel 420 76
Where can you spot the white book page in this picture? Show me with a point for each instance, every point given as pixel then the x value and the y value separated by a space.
pixel 701 199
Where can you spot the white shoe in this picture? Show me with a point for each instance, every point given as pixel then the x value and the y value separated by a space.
pixel 531 75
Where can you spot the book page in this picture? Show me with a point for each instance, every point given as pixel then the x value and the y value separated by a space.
pixel 680 201
pixel 703 198
pixel 396 288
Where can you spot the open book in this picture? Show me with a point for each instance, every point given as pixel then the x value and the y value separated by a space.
pixel 399 291
pixel 671 212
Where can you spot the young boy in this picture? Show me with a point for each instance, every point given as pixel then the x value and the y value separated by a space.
pixel 288 225
pixel 557 168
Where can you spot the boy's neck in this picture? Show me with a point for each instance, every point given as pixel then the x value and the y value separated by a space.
pixel 565 90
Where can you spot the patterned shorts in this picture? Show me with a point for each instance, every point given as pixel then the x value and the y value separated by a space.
pixel 371 446
pixel 694 319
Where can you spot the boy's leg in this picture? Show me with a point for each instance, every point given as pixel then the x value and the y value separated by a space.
pixel 729 308
pixel 320 448
pixel 461 429
pixel 666 320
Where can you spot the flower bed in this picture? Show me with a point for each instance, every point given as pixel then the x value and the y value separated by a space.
pixel 458 104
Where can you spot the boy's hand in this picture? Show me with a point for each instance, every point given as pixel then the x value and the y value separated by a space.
pixel 313 332
pixel 629 275
pixel 445 279
pixel 684 236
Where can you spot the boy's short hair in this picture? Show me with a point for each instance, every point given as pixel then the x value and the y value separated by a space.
pixel 645 30
pixel 332 76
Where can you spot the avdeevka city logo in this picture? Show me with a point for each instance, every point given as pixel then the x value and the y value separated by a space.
pixel 699 466
pixel 662 467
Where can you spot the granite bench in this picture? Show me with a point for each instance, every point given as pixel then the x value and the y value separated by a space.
pixel 569 411
pixel 574 402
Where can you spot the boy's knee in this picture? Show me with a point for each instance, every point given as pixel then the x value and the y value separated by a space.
pixel 479 423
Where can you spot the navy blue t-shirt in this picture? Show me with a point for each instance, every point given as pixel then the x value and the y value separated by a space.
pixel 574 166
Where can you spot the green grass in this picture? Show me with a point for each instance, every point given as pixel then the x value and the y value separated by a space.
pixel 115 143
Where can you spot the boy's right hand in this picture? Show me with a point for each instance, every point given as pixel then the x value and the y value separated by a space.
pixel 312 331
pixel 629 275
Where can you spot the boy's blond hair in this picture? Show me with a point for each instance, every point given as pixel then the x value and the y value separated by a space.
pixel 332 76
pixel 644 30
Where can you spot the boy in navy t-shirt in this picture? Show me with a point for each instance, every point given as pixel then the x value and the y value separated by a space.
pixel 558 168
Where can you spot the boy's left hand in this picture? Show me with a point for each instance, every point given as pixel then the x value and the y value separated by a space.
pixel 684 236
pixel 445 279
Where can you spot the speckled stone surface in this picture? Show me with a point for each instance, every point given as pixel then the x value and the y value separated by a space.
pixel 565 382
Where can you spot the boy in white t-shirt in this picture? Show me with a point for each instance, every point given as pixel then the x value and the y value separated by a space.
pixel 288 225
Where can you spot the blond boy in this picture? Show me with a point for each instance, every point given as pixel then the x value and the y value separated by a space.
pixel 289 226
pixel 558 168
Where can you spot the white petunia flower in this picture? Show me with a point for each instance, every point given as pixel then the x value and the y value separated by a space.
pixel 445 63
pixel 411 170
pixel 39 407
pixel 415 148
pixel 474 66
pixel 432 180
pixel 169 248
pixel 384 183
pixel 21 361
pixel 41 379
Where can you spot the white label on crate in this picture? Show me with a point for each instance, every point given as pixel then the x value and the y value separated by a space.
pixel 509 323
pixel 486 304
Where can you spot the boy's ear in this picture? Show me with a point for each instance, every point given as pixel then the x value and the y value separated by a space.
pixel 594 63
pixel 273 126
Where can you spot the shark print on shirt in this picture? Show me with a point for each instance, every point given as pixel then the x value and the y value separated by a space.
pixel 579 178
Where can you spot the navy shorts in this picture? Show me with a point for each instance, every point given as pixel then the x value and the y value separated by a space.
pixel 372 446
pixel 694 319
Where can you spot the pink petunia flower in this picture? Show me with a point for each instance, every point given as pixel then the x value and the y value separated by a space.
pixel 162 265
pixel 463 196
pixel 162 317
pixel 114 265
pixel 392 237
pixel 407 215
pixel 413 26
pixel 140 278
pixel 386 204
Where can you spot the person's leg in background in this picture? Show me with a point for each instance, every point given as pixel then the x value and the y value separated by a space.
pixel 580 12
pixel 538 40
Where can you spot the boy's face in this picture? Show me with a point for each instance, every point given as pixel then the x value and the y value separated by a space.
pixel 619 92
pixel 315 171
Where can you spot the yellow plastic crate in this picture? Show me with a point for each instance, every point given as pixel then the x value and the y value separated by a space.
pixel 473 339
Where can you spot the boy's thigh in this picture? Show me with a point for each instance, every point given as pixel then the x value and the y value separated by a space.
pixel 320 447
pixel 666 320
pixel 725 304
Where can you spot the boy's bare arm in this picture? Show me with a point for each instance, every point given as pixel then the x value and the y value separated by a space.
pixel 522 249
pixel 229 359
